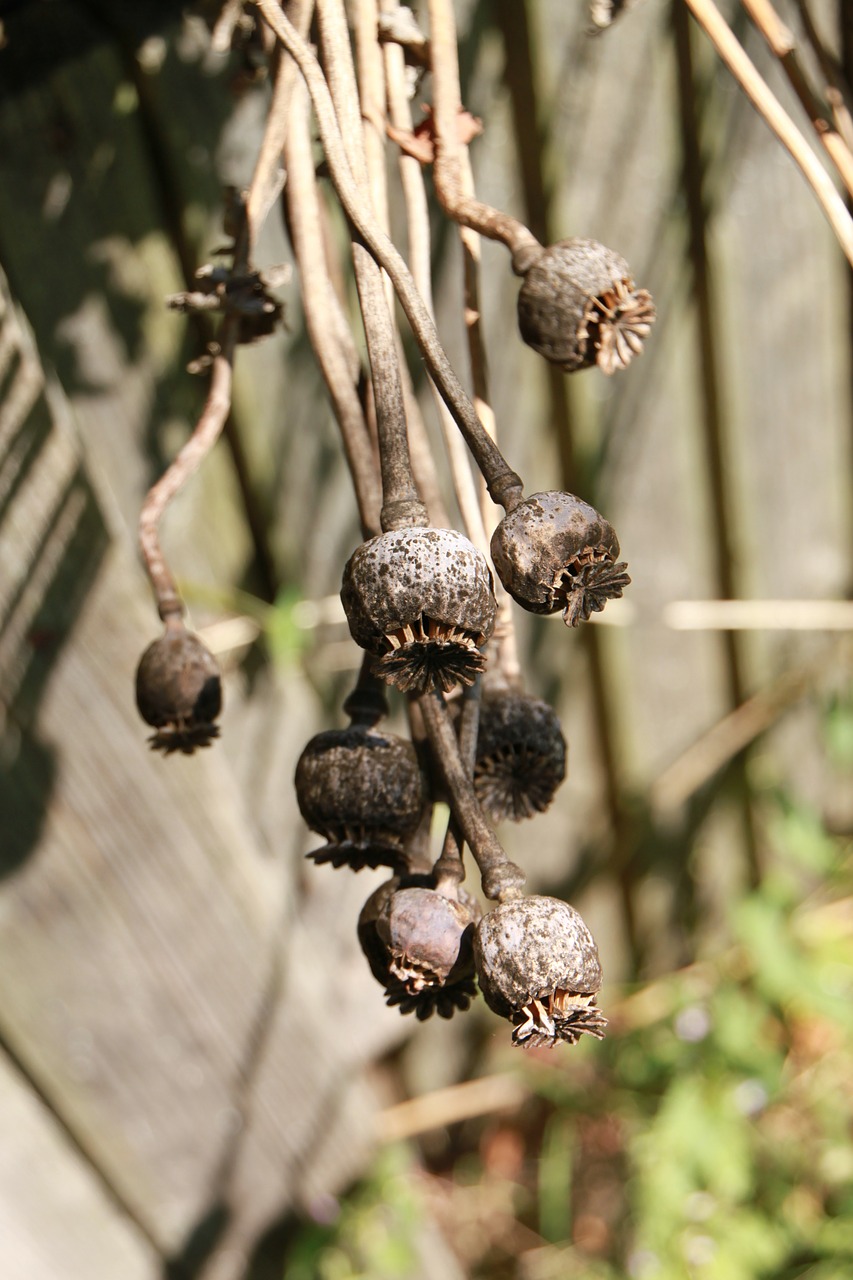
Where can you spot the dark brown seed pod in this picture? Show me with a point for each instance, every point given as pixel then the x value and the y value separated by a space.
pixel 537 964
pixel 363 791
pixel 578 306
pixel 554 551
pixel 521 755
pixel 419 946
pixel 421 601
pixel 179 690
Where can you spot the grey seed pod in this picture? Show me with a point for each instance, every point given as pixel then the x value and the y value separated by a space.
pixel 553 552
pixel 521 755
pixel 537 964
pixel 364 792
pixel 578 306
pixel 179 690
pixel 421 601
pixel 419 946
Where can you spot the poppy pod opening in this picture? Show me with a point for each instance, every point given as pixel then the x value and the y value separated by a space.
pixel 555 552
pixel 521 755
pixel 578 306
pixel 363 791
pixel 179 691
pixel 418 943
pixel 537 964
pixel 421 601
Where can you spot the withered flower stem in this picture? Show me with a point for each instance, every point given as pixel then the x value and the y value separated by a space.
pixel 501 879
pixel 457 203
pixel 318 300
pixel 367 704
pixel 217 405
pixel 207 430
pixel 418 237
pixel 503 483
pixel 449 869
pixel 401 505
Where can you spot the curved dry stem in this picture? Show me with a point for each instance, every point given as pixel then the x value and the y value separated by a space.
pixel 418 229
pixel 217 405
pixel 782 44
pixel 456 201
pixel 767 105
pixel 401 503
pixel 318 300
pixel 189 459
pixel 370 74
pixel 504 485
pixel 501 879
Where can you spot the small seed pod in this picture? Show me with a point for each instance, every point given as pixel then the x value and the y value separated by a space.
pixel 421 601
pixel 554 551
pixel 537 964
pixel 179 691
pixel 521 755
pixel 364 792
pixel 578 306
pixel 419 946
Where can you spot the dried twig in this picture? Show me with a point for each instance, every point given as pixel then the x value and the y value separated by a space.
pixel 504 485
pixel 781 41
pixel 767 105
pixel 218 403
pixel 318 300
pixel 458 203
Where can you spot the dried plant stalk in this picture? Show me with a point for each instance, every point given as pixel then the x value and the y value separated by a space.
pixel 767 105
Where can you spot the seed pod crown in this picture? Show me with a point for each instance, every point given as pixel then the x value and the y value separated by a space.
pixel 521 755
pixel 418 943
pixel 578 306
pixel 554 551
pixel 537 964
pixel 364 792
pixel 421 600
pixel 179 690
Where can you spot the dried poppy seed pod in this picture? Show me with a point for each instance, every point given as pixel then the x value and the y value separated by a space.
pixel 521 755
pixel 578 306
pixel 179 690
pixel 363 791
pixel 554 551
pixel 421 600
pixel 537 964
pixel 419 946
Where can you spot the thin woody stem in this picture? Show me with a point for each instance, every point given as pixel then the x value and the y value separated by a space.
pixel 781 42
pixel 418 237
pixel 401 505
pixel 370 74
pixel 504 485
pixel 217 405
pixel 501 879
pixel 189 459
pixel 318 300
pixel 767 105
pixel 449 868
pixel 455 187
pixel 456 201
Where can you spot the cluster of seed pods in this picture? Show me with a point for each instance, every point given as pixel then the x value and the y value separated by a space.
pixel 420 603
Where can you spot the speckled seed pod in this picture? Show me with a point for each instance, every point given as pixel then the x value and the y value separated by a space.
pixel 179 691
pixel 363 791
pixel 556 552
pixel 578 306
pixel 521 755
pixel 421 600
pixel 419 946
pixel 537 964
